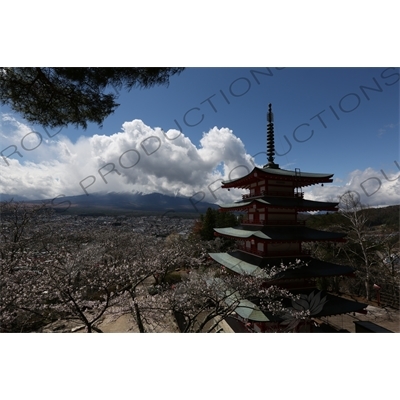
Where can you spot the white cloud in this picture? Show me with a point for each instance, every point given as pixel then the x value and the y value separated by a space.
pixel 383 130
pixel 138 158
pixel 375 188
pixel 143 159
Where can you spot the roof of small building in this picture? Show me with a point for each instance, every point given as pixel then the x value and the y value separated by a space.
pixel 372 327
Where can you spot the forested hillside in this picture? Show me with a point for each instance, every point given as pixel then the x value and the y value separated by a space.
pixel 385 217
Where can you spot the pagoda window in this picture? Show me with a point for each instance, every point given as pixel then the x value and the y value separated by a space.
pixel 262 218
pixel 251 217
pixel 248 244
pixel 260 246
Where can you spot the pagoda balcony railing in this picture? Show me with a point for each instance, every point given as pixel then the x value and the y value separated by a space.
pixel 280 253
pixel 272 222
pixel 256 252
pixel 273 193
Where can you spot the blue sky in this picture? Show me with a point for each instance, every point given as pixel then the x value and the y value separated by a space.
pixel 364 137
pixel 338 120
pixel 356 141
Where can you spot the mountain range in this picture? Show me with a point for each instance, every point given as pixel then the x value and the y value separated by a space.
pixel 99 203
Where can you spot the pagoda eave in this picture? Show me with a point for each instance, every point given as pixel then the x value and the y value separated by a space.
pixel 299 179
pixel 279 241
pixel 276 202
pixel 309 268
pixel 334 306
pixel 279 234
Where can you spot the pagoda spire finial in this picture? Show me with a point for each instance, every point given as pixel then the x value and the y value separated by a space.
pixel 270 139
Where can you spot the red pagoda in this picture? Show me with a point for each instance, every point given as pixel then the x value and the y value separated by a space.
pixel 272 234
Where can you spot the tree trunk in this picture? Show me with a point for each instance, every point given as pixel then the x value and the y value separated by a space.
pixel 136 310
pixel 139 318
pixel 367 289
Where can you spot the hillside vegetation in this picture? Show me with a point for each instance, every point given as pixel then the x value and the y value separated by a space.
pixel 371 248
pixel 385 217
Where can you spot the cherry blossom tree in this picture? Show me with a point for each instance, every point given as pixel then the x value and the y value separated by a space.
pixel 207 297
pixel 362 247
pixel 83 272
pixel 21 226
pixel 21 308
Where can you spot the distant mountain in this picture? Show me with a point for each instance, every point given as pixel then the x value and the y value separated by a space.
pixel 9 197
pixel 104 203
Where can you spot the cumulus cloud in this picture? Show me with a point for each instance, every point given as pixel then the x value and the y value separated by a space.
pixel 137 159
pixel 144 159
pixel 374 188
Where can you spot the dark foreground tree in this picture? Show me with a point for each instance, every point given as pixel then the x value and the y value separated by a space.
pixel 213 219
pixel 55 97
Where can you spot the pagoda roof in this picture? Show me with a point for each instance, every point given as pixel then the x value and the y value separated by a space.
pixel 334 306
pixel 243 307
pixel 249 264
pixel 279 233
pixel 298 177
pixel 338 305
pixel 313 268
pixel 282 202
pixel 239 266
pixel 247 310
